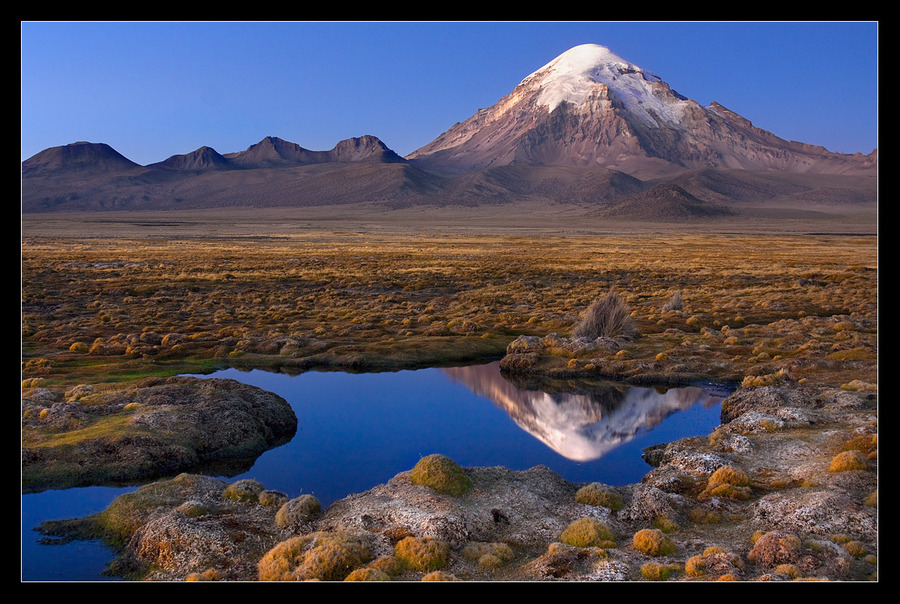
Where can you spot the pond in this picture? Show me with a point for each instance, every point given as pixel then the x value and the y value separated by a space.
pixel 356 431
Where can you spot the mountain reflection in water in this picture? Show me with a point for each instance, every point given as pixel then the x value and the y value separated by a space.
pixel 359 430
pixel 580 420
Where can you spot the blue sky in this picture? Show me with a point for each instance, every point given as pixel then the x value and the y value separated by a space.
pixel 156 89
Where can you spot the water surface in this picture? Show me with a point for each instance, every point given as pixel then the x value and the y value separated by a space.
pixel 356 431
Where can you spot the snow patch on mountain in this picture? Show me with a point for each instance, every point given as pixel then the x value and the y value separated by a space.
pixel 573 76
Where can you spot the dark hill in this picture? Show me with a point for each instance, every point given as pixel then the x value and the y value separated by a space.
pixel 761 185
pixel 665 202
pixel 273 152
pixel 578 185
pixel 204 158
pixel 93 158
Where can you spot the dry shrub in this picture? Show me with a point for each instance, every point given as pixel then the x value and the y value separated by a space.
pixel 665 524
pixel 210 574
pixel 439 575
pixel 243 490
pixel 608 316
pixel 788 570
pixel 714 563
pixel 674 303
pixel 389 565
pixel 867 444
pixel 488 555
pixel 857 549
pixel 272 498
pixel 653 571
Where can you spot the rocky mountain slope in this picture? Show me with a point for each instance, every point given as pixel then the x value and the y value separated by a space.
pixel 591 107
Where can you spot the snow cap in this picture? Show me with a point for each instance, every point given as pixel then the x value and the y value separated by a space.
pixel 574 75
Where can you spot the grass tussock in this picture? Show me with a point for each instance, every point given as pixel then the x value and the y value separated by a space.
pixel 319 556
pixel 846 461
pixel 653 542
pixel 422 554
pixel 608 316
pixel 298 510
pixel 588 532
pixel 654 571
pixel 600 494
pixel 727 482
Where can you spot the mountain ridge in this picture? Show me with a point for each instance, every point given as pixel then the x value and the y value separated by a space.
pixel 586 130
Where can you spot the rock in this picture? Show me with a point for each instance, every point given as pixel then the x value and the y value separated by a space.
pixel 524 344
pixel 817 512
pixel 649 503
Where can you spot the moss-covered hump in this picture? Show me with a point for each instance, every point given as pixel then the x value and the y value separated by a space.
pixel 150 429
pixel 441 474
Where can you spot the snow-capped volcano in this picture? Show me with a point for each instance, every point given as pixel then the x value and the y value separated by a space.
pixel 591 107
pixel 574 75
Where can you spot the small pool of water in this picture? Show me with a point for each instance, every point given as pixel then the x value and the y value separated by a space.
pixel 356 431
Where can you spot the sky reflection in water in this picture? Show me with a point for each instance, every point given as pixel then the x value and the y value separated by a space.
pixel 356 431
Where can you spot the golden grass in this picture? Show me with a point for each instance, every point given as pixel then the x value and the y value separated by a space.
pixel 108 427
pixel 97 307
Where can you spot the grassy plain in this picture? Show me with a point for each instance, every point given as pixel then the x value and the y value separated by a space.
pixel 108 299
pixel 111 297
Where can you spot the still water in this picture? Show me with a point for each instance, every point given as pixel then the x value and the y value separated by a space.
pixel 358 430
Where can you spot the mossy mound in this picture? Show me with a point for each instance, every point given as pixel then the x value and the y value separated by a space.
pixel 441 474
pixel 245 490
pixel 128 512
